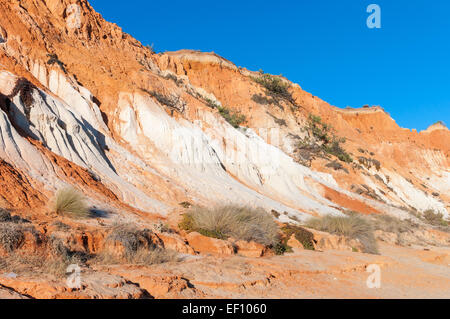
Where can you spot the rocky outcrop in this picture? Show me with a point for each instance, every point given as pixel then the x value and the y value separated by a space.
pixel 84 104
pixel 208 245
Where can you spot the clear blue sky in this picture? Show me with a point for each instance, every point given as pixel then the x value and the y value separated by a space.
pixel 323 45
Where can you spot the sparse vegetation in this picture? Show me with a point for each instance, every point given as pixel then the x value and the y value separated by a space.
pixel 281 247
pixel 352 226
pixel 241 223
pixel 69 202
pixel 305 237
pixel 232 117
pixel 185 204
pixel 278 121
pixel 275 213
pixel 260 99
pixel 433 218
pixel 173 78
pixel 369 162
pixel 61 226
pixel 274 86
pixel 337 166
pixel 54 263
pixel 139 247
pixel 5 215
pixel 11 236
pixel 162 227
pixel 173 101
pixel 53 59
pixel 321 140
pixel 392 224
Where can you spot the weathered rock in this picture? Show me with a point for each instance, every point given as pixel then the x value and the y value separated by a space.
pixel 208 245
pixel 248 249
pixel 325 241
pixel 176 243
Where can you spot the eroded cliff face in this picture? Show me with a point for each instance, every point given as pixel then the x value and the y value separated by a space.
pixel 142 124
pixel 84 104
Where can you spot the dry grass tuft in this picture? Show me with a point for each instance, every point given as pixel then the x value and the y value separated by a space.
pixel 70 202
pixel 352 226
pixel 11 236
pixel 434 219
pixel 392 224
pixel 241 223
pixel 37 264
pixel 53 261
pixel 139 248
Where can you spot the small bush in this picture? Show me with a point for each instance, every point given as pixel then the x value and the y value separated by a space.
pixel 130 237
pixel 433 218
pixel 234 118
pixel 185 204
pixel 274 85
pixel 5 215
pixel 322 139
pixel 335 148
pixel 11 236
pixel 61 226
pixel 212 104
pixel 257 98
pixel 305 237
pixel 38 264
pixel 337 166
pixel 392 224
pixel 53 59
pixel 241 223
pixel 352 226
pixel 71 203
pixel 281 247
pixel 139 248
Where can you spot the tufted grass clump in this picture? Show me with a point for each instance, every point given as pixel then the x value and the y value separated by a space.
pixel 11 236
pixel 352 226
pixel 434 219
pixel 241 223
pixel 139 248
pixel 69 202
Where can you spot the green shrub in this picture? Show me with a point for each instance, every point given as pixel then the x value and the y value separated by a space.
pixel 433 218
pixel 274 85
pixel 234 118
pixel 71 203
pixel 305 237
pixel 323 139
pixel 352 226
pixel 241 223
pixel 281 247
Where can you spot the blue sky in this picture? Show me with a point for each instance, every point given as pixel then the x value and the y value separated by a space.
pixel 323 45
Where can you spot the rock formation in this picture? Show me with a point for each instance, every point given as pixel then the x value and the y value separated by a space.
pixel 85 104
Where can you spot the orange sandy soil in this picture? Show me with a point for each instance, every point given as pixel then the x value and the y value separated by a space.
pixel 405 273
